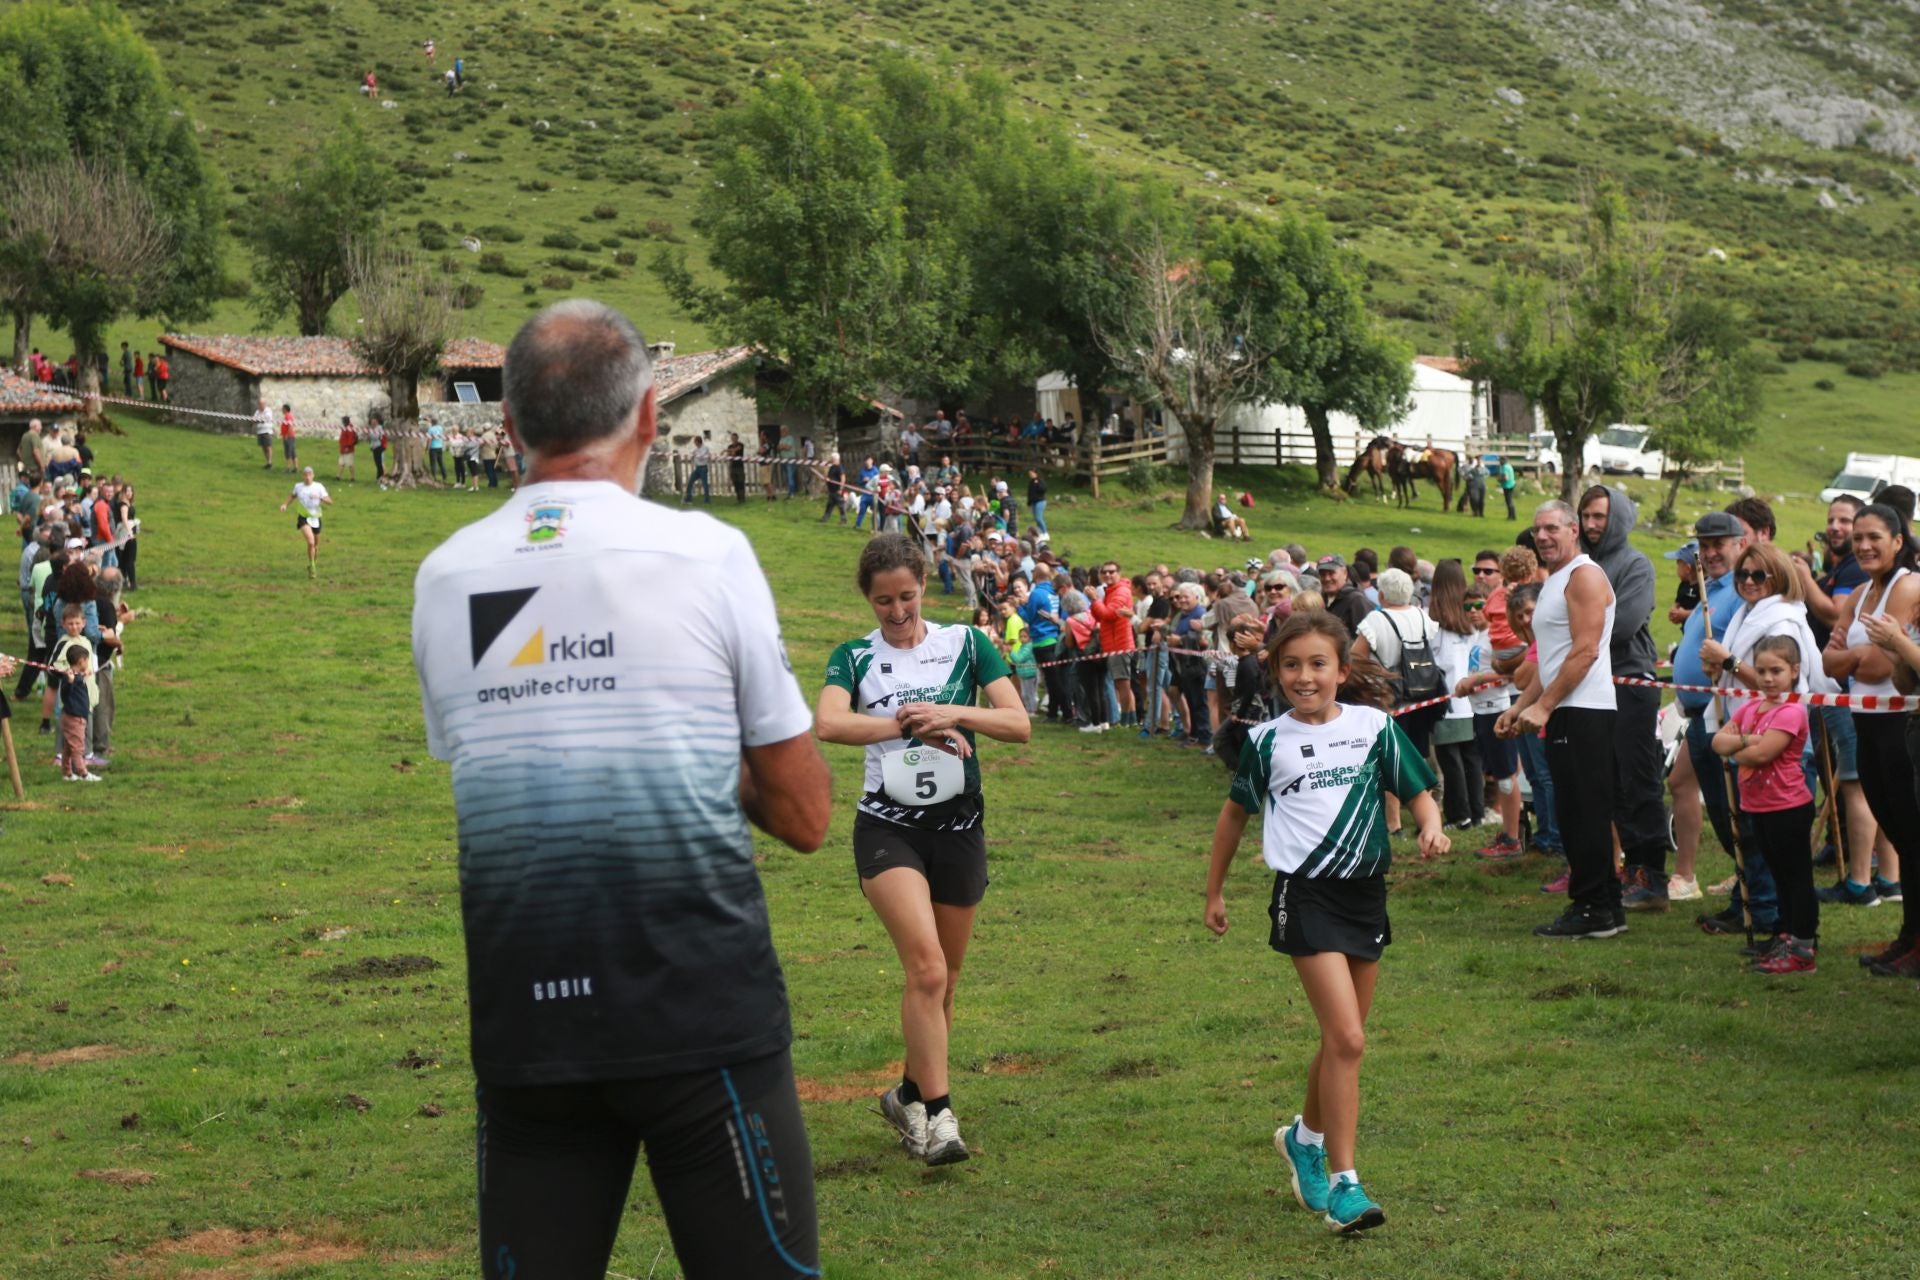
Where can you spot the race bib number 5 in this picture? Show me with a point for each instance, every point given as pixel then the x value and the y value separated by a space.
pixel 922 776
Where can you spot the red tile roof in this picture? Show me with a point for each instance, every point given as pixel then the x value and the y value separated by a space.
pixel 1445 364
pixel 18 396
pixel 473 353
pixel 675 376
pixel 321 357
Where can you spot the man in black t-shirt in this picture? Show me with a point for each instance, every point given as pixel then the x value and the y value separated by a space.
pixel 1841 573
pixel 1344 600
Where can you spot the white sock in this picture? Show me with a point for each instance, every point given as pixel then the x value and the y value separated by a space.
pixel 1306 1135
pixel 1349 1175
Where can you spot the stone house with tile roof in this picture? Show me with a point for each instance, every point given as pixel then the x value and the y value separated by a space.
pixel 323 378
pixel 22 402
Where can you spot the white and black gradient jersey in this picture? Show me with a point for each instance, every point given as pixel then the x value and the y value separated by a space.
pixel 592 665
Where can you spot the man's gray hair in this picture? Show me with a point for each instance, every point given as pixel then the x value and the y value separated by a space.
pixel 110 582
pixel 1564 513
pixel 575 374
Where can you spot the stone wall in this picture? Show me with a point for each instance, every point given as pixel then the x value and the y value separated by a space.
pixel 319 403
pixel 468 416
pixel 194 382
pixel 726 406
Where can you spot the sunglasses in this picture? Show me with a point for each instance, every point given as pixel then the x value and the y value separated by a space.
pixel 1484 573
pixel 1751 575
pixel 1476 605
pixel 1279 586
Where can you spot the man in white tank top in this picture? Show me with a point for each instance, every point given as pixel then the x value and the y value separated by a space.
pixel 1571 699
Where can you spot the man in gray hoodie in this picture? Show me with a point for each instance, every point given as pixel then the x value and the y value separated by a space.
pixel 1607 516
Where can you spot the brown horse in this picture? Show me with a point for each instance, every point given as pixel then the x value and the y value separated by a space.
pixel 1373 461
pixel 1406 465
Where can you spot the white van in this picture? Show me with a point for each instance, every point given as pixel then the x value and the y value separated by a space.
pixel 1865 474
pixel 1620 450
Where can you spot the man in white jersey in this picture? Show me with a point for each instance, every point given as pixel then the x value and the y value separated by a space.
pixel 614 723
pixel 1571 698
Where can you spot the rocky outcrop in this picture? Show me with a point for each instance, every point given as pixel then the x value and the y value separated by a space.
pixel 1833 80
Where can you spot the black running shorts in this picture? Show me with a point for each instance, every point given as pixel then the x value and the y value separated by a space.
pixel 725 1148
pixel 1313 914
pixel 953 862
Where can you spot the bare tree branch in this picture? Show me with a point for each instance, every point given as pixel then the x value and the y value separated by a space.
pixel 406 318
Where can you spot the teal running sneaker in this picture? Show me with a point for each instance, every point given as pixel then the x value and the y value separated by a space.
pixel 1349 1209
pixel 1306 1164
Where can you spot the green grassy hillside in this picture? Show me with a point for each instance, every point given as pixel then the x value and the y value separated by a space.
pixel 1441 139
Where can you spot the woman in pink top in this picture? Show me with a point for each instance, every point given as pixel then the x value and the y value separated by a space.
pixel 1765 738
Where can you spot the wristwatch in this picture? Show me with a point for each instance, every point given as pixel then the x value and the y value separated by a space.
pixel 1733 665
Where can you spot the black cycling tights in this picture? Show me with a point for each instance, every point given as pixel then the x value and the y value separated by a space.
pixel 725 1147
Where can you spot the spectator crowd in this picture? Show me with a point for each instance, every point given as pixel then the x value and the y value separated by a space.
pixel 79 557
pixel 1177 653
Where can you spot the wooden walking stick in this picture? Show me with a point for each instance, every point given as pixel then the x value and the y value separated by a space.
pixel 13 760
pixel 1835 820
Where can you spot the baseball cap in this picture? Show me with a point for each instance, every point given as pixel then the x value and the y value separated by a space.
pixel 1333 559
pixel 1689 552
pixel 1719 524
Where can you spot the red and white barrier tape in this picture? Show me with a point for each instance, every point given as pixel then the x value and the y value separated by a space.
pixel 1863 701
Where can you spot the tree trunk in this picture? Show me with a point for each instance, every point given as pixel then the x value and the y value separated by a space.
pixel 1673 495
pixel 1198 512
pixel 22 339
pixel 1323 461
pixel 1572 467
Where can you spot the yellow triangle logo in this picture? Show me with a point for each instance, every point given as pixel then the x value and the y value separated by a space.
pixel 533 652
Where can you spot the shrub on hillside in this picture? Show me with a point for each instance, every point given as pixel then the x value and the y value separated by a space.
pixel 558 283
pixel 570 262
pixel 497 265
pixel 560 240
pixel 626 257
pixel 605 212
pixel 467 295
pixel 501 232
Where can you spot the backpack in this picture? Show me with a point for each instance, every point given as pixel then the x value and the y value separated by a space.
pixel 1416 677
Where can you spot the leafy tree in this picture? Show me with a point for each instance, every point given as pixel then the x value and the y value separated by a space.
pixel 803 223
pixel 1329 355
pixel 1586 340
pixel 1712 382
pixel 1015 211
pixel 77 79
pixel 302 226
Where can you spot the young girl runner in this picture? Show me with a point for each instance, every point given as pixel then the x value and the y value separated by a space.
pixel 906 691
pixel 1765 738
pixel 1318 776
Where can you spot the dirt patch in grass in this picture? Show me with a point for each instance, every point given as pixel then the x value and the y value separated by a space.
pixel 1599 987
pixel 848 1167
pixel 1011 1064
pixel 67 1057
pixel 117 1177
pixel 849 1088
pixel 275 802
pixel 239 1254
pixel 378 967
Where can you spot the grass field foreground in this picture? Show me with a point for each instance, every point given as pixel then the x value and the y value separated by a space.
pixel 234 1037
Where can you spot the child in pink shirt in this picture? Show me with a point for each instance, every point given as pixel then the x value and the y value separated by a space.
pixel 1765 738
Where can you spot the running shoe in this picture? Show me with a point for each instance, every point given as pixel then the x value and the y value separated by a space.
pixel 1793 957
pixel 1847 894
pixel 1729 920
pixel 943 1139
pixel 909 1119
pixel 1307 1165
pixel 1762 947
pixel 1349 1209
pixel 1889 890
pixel 1683 889
pixel 1556 885
pixel 1893 951
pixel 1642 893
pixel 1578 922
pixel 1725 887
pixel 1502 848
pixel 1906 966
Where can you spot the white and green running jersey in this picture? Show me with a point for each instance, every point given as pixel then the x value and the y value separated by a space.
pixel 1320 788
pixel 907 783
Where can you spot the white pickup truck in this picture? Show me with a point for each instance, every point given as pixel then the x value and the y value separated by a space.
pixel 1865 474
pixel 1620 450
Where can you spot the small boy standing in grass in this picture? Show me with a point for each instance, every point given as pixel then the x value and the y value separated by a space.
pixel 1318 776
pixel 76 702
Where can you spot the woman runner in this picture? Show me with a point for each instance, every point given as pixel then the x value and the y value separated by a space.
pixel 906 691
pixel 311 495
